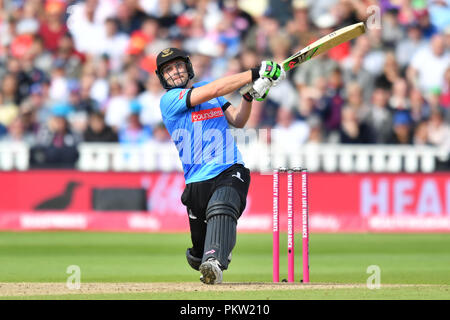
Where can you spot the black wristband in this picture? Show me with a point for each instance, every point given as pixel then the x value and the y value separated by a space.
pixel 255 74
pixel 247 97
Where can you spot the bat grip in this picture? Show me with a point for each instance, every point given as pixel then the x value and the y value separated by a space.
pixel 245 89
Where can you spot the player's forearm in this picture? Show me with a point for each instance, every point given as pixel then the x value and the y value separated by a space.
pixel 231 83
pixel 241 114
pixel 220 87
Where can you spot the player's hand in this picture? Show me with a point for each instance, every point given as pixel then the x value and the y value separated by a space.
pixel 272 71
pixel 261 89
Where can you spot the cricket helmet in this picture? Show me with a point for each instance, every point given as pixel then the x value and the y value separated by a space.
pixel 168 55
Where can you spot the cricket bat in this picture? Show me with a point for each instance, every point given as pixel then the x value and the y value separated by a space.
pixel 322 45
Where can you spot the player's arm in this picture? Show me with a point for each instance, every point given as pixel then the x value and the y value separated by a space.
pixel 268 70
pixel 272 75
pixel 239 116
pixel 222 87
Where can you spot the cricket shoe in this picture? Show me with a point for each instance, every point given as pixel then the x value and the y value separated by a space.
pixel 211 272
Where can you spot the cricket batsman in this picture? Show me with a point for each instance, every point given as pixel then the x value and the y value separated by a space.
pixel 197 118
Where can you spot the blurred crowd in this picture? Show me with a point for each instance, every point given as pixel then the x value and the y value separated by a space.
pixel 74 71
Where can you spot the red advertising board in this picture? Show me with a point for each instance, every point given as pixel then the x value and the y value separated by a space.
pixel 337 202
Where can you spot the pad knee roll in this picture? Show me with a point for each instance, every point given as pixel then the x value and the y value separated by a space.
pixel 224 201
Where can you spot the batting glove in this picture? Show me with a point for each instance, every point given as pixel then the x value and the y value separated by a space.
pixel 261 89
pixel 272 71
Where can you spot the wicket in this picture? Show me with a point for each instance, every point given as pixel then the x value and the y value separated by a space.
pixel 290 223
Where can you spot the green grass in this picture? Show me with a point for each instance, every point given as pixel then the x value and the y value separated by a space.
pixel 138 257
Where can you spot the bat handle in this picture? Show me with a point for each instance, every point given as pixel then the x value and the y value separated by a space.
pixel 245 89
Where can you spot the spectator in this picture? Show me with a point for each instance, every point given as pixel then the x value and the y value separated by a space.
pixel 100 86
pixel 423 18
pixel 10 89
pixel 69 56
pixel 438 130
pixel 306 107
pixel 405 14
pixel 421 134
pixel 372 47
pixel 433 99
pixel 98 130
pixel 8 107
pixel 351 130
pixel 28 75
pixel 114 43
pixel 284 95
pixel 134 132
pixel 281 10
pixel 59 87
pixel 39 104
pixel 355 101
pixel 428 65
pixel 289 133
pixel 135 55
pixel 390 73
pixel 315 131
pixel 353 70
pixel 160 133
pixel 399 98
pixel 331 103
pixel 85 102
pixel 25 32
pixel 56 145
pixel 202 66
pixel 299 27
pixel 420 110
pixel 392 32
pixel 150 115
pixel 17 133
pixel 258 38
pixel 85 20
pixel 228 36
pixel 403 130
pixel 52 28
pixel 326 24
pixel 379 117
pixel 350 12
pixel 241 20
pixel 136 16
pixel 406 48
pixel 118 106
pixel 42 58
pixel 439 12
pixel 321 66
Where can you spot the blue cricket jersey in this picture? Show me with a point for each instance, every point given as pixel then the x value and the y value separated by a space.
pixel 205 145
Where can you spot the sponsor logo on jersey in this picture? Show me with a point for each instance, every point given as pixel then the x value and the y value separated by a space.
pixel 207 114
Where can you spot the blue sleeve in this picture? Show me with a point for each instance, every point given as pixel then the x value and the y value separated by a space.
pixel 222 101
pixel 174 102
